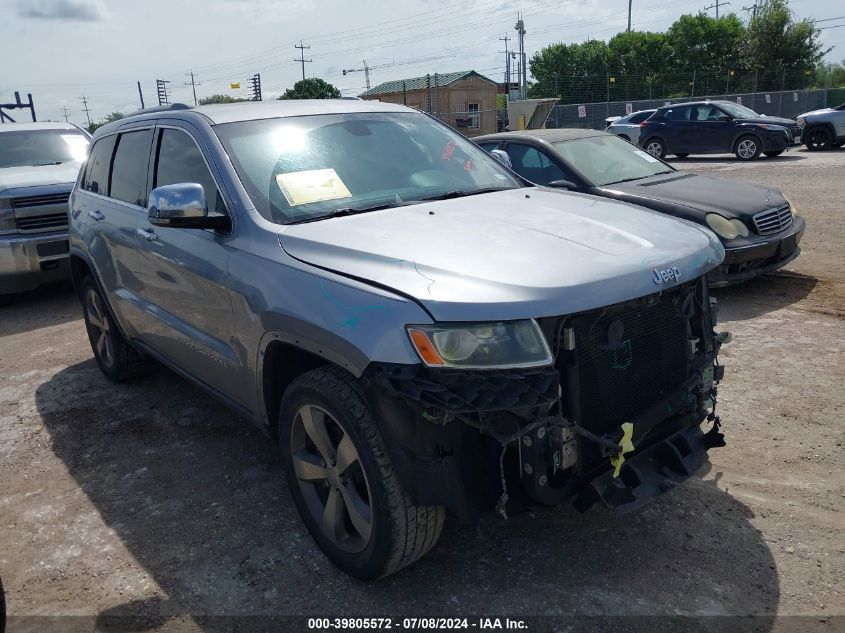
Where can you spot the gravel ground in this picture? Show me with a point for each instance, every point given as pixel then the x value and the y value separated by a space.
pixel 151 499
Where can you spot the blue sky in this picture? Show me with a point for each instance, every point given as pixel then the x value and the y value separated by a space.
pixel 65 49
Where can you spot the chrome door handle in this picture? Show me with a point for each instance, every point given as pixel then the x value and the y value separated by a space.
pixel 147 235
pixel 96 215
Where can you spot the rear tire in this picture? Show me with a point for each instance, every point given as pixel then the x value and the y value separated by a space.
pixel 773 154
pixel 818 138
pixel 116 359
pixel 656 147
pixel 343 483
pixel 747 148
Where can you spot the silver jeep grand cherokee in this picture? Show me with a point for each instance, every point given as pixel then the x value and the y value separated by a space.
pixel 419 328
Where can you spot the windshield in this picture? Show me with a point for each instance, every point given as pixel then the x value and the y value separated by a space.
pixel 606 159
pixel 41 147
pixel 303 168
pixel 737 111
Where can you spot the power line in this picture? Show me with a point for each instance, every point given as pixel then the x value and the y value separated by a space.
pixel 301 57
pixel 65 110
pixel 717 4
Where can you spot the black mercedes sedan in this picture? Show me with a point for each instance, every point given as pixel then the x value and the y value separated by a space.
pixel 758 226
pixel 716 127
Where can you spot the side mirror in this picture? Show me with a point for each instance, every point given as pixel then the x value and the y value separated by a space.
pixel 562 184
pixel 182 206
pixel 502 156
pixel 725 117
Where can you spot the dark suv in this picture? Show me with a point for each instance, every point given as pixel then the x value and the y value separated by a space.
pixel 716 127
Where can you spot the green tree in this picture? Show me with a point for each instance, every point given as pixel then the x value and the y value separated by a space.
pixel 779 47
pixel 218 98
pixel 112 116
pixel 311 88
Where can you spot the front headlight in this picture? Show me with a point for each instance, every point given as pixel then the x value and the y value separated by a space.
pixel 801 121
pixel 791 204
pixel 728 229
pixel 7 217
pixel 507 344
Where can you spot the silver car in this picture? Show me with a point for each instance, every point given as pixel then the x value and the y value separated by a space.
pixel 39 163
pixel 628 127
pixel 823 129
pixel 418 328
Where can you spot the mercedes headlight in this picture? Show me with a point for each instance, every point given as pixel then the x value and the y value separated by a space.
pixel 791 204
pixel 506 344
pixel 728 229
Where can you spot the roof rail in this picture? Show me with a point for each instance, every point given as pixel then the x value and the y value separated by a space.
pixel 163 108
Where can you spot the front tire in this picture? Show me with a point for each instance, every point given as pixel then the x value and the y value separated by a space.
pixel 116 359
pixel 747 148
pixel 656 147
pixel 774 154
pixel 819 138
pixel 343 483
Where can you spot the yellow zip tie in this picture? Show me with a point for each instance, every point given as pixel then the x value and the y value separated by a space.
pixel 626 445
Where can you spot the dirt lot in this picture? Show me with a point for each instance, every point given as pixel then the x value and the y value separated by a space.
pixel 151 499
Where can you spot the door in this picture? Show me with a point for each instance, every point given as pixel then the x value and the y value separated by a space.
pixel 679 129
pixel 533 164
pixel 116 183
pixel 713 130
pixel 183 274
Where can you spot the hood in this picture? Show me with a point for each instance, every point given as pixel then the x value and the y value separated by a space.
pixel 510 254
pixel 771 120
pixel 14 177
pixel 813 112
pixel 730 198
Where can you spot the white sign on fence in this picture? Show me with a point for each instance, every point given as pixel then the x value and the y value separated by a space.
pixel 629 108
pixel 667 103
pixel 795 96
pixel 739 99
pixel 582 112
pixel 768 98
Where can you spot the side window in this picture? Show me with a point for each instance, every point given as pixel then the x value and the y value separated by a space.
pixel 678 114
pixel 179 160
pixel 474 116
pixel 97 169
pixel 534 165
pixel 639 117
pixel 488 146
pixel 129 170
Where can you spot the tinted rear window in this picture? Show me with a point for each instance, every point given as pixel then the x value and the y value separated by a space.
pixel 97 170
pixel 639 117
pixel 129 172
pixel 180 161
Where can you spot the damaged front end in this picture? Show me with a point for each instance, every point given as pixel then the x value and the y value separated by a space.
pixel 617 418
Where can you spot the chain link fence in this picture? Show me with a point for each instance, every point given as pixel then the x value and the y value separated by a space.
pixel 787 103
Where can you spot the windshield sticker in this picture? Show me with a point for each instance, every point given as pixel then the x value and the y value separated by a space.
pixel 468 165
pixel 316 185
pixel 646 156
pixel 448 150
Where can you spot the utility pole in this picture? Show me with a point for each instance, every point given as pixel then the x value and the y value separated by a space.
pixel 717 4
pixel 505 39
pixel 87 111
pixel 520 29
pixel 65 110
pixel 163 92
pixel 629 15
pixel 366 70
pixel 301 59
pixel 193 83
pixel 141 95
pixel 753 9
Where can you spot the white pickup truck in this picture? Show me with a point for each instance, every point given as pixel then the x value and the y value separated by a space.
pixel 39 163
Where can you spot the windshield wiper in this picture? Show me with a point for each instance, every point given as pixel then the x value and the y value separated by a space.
pixel 659 173
pixel 55 162
pixel 339 213
pixel 458 193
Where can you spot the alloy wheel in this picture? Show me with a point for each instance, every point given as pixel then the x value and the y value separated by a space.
pixel 819 139
pixel 746 148
pixel 654 148
pixel 98 320
pixel 331 478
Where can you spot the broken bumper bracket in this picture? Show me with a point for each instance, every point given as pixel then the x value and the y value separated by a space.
pixel 648 473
